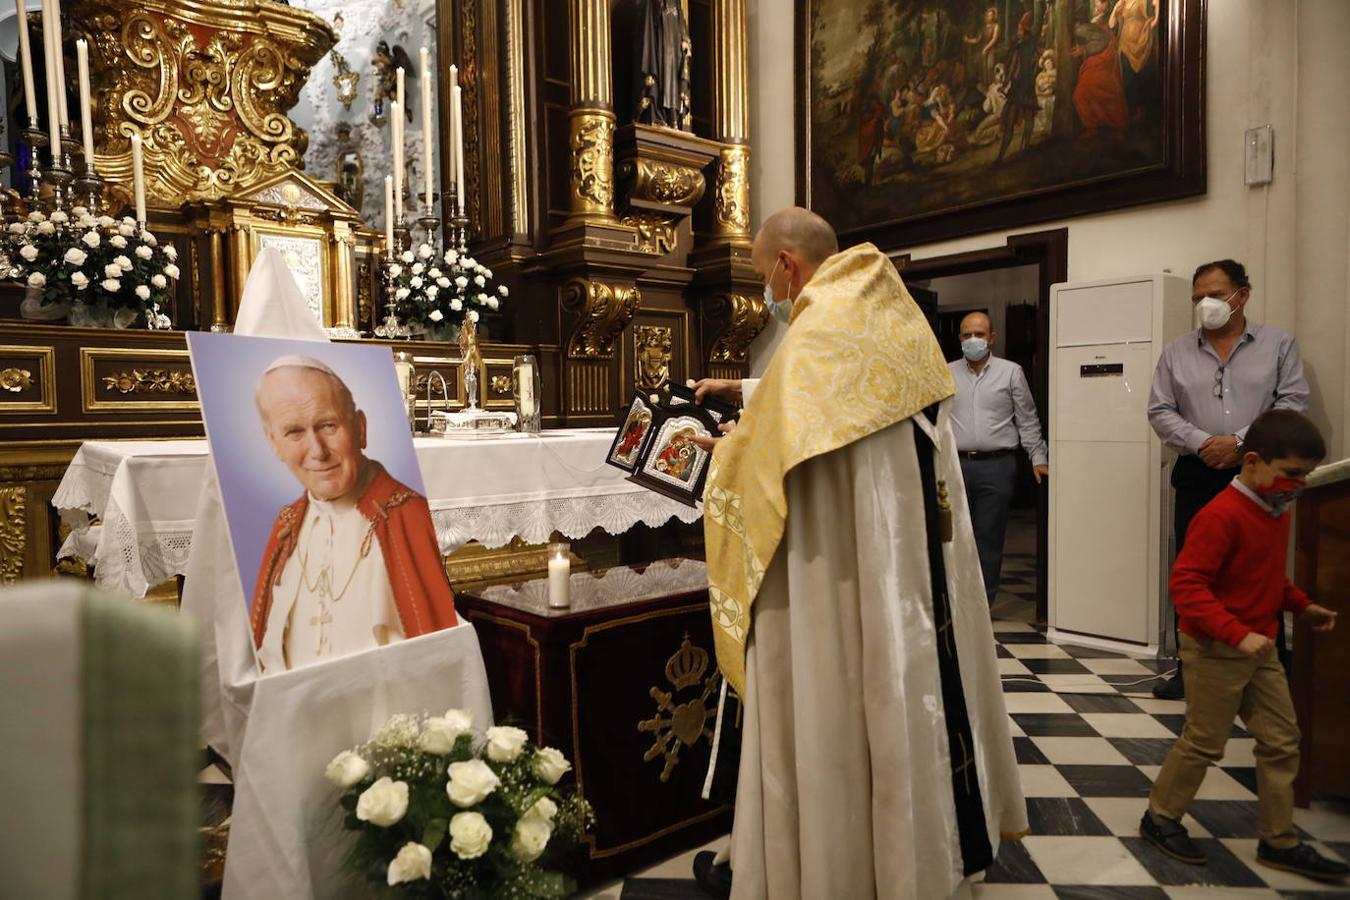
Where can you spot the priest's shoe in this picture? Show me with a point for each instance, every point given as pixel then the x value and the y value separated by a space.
pixel 713 877
pixel 1303 859
pixel 1171 838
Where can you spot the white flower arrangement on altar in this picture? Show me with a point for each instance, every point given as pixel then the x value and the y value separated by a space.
pixel 439 291
pixel 440 812
pixel 106 271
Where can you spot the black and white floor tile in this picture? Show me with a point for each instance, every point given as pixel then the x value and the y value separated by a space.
pixel 1090 738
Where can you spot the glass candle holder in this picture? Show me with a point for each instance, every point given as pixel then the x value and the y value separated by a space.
pixel 559 574
pixel 403 367
pixel 526 386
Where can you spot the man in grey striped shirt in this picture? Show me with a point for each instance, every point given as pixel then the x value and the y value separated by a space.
pixel 993 411
pixel 1209 386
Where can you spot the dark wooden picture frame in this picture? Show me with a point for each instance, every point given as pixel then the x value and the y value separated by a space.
pixel 688 418
pixel 927 195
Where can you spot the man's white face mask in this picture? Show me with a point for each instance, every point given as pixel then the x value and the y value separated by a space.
pixel 1214 312
pixel 779 309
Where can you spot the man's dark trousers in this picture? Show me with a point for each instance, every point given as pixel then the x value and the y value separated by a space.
pixel 990 480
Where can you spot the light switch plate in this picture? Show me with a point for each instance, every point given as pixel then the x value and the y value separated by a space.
pixel 1260 154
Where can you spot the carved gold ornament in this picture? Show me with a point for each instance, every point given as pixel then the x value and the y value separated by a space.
pixel 345 80
pixel 206 83
pixel 742 318
pixel 592 145
pixel 731 208
pixel 151 381
pixel 13 532
pixel 501 384
pixel 652 233
pixel 662 182
pixel 16 380
pixel 676 726
pixel 651 352
pixel 604 309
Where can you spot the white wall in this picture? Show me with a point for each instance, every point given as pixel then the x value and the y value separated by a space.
pixel 1268 62
pixel 994 289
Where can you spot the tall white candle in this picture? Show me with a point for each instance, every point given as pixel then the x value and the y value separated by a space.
pixel 396 112
pixel 426 126
pixel 138 176
pixel 59 60
pixel 86 105
pixel 457 107
pixel 398 87
pixel 389 213
pixel 26 58
pixel 53 89
pixel 454 146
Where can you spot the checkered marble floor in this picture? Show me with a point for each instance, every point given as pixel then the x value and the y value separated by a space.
pixel 1090 738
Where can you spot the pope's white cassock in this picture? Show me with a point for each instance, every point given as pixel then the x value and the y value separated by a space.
pixel 849 612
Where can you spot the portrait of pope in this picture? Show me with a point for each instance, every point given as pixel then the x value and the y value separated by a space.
pixel 353 562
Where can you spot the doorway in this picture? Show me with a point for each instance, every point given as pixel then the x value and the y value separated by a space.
pixel 1012 284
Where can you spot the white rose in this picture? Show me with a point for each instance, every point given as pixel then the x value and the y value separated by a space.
pixel 470 782
pixel 111 285
pixel 126 230
pixel 432 291
pixel 470 835
pixel 149 238
pixel 460 719
pixel 418 268
pixel 424 251
pixel 118 241
pixel 501 289
pixel 171 252
pixel 346 770
pixel 143 292
pixel 456 305
pixel 60 216
pixel 159 281
pixel 443 283
pixel 36 216
pixel 416 281
pixel 433 273
pixel 107 221
pixel 413 863
pixel 383 803
pixel 492 302
pixel 87 222
pixel 487 273
pixel 473 316
pixel 46 228
pixel 451 256
pixel 75 256
pixel 91 239
pixel 112 270
pixel 79 279
pixel 407 256
pixel 37 279
pixel 171 270
pixel 468 262
pixel 530 838
pixel 29 252
pixel 144 252
pixel 395 270
pixel 17 227
pixel 461 282
pixel 480 281
pixel 550 765
pixel 124 263
pixel 438 735
pixel 435 315
pixel 401 294
pixel 544 810
pixel 504 742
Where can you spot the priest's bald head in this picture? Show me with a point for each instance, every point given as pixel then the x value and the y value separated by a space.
pixel 790 246
pixel 313 425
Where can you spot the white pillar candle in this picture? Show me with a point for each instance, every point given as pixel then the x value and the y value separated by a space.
pixel 389 214
pixel 398 88
pixel 58 61
pixel 49 60
pixel 86 105
pixel 26 58
pixel 457 122
pixel 426 126
pixel 396 112
pixel 138 176
pixel 454 147
pixel 559 575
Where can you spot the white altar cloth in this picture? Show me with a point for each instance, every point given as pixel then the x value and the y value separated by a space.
pixel 488 490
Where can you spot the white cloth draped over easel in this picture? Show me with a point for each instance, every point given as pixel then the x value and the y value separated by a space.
pixel 278 733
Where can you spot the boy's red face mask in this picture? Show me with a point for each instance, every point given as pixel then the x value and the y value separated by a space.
pixel 1282 491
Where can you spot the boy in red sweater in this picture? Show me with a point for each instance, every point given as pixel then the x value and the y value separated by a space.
pixel 1228 586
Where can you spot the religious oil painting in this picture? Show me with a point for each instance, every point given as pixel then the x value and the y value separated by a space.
pixel 926 119
pixel 628 443
pixel 324 501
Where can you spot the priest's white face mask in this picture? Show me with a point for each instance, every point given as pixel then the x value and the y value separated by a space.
pixel 779 307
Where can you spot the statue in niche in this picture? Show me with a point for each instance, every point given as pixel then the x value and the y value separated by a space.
pixel 386 63
pixel 351 168
pixel 663 64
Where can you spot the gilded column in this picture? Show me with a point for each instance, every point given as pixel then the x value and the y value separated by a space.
pixel 591 119
pixel 243 259
pixel 731 82
pixel 342 323
pixel 215 236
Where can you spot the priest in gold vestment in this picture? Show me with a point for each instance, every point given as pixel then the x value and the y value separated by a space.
pixel 847 601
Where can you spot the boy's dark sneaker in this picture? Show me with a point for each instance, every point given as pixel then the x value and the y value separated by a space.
pixel 1303 859
pixel 1171 838
pixel 1171 689
pixel 713 877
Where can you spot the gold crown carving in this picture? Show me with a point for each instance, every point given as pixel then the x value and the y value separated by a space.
pixel 687 666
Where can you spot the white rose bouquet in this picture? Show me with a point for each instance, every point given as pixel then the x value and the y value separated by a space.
pixel 442 811
pixel 436 291
pixel 113 267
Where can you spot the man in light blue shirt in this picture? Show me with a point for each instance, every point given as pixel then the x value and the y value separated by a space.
pixel 992 413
